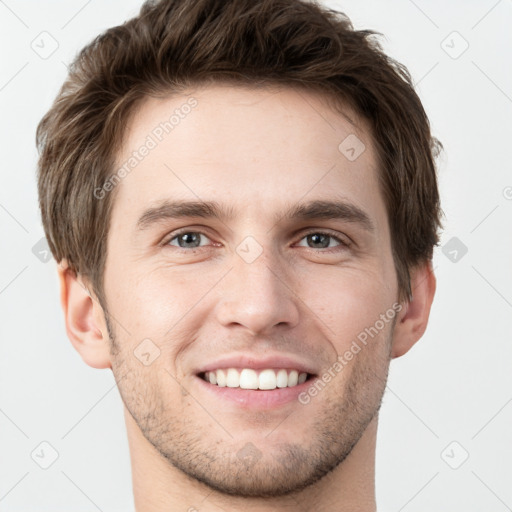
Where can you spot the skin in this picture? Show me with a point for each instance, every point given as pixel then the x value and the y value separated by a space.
pixel 258 152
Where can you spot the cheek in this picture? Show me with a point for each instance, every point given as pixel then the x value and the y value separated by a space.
pixel 149 303
pixel 348 302
pixel 162 311
pixel 145 390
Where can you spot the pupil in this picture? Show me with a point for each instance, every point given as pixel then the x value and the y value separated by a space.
pixel 189 238
pixel 316 237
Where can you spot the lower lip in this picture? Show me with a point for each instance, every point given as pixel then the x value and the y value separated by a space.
pixel 257 399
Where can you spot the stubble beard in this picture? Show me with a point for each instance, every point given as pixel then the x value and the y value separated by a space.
pixel 291 466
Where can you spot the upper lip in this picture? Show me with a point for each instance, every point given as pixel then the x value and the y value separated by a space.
pixel 257 363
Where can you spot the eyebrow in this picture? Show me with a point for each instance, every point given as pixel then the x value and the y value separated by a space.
pixel 312 210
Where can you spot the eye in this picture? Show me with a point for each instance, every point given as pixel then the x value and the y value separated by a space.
pixel 315 240
pixel 320 240
pixel 187 239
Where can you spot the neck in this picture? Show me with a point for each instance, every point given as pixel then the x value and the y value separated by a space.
pixel 158 486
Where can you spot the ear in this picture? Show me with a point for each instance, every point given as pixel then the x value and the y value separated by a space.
pixel 84 317
pixel 413 318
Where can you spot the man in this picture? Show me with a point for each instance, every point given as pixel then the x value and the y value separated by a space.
pixel 242 199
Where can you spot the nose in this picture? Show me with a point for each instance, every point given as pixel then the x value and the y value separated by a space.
pixel 258 296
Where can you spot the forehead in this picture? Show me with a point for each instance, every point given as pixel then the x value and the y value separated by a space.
pixel 256 149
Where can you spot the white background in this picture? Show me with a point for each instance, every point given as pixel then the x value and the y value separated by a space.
pixel 454 385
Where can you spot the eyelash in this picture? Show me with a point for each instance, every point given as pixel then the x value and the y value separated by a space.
pixel 343 244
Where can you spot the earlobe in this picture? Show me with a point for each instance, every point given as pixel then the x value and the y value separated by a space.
pixel 83 316
pixel 413 318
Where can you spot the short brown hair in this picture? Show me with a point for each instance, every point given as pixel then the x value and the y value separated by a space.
pixel 174 44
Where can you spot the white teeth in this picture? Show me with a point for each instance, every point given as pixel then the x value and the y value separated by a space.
pixel 248 378
pixel 232 378
pixel 221 378
pixel 267 379
pixel 282 379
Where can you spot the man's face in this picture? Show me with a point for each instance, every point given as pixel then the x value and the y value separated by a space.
pixel 254 289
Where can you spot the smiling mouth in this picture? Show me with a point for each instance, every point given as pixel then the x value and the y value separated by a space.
pixel 248 378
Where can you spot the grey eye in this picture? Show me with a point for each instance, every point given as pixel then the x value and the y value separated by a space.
pixel 187 240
